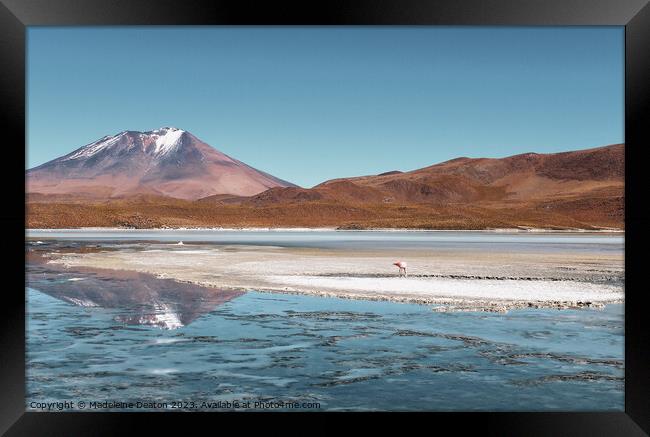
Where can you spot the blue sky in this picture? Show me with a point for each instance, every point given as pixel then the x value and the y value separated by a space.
pixel 309 104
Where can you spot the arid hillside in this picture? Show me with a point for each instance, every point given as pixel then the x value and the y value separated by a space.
pixel 581 189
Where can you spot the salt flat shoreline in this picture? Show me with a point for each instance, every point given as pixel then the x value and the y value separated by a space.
pixel 321 229
pixel 447 279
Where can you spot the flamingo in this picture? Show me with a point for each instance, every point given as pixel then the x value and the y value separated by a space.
pixel 402 267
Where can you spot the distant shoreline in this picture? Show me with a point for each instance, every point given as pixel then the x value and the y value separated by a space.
pixel 323 229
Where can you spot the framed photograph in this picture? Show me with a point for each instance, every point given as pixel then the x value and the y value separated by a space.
pixel 404 207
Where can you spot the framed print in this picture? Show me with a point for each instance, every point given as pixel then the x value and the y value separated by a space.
pixel 424 208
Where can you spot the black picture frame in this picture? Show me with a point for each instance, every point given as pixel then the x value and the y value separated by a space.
pixel 16 15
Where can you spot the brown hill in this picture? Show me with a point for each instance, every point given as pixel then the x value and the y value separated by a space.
pixel 528 176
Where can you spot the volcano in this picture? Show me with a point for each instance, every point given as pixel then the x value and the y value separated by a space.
pixel 164 162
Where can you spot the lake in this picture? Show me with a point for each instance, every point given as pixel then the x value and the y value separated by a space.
pixel 98 335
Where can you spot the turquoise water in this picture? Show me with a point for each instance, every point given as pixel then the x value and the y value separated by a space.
pixel 327 353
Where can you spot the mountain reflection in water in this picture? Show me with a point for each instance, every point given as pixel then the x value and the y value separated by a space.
pixel 334 354
pixel 141 298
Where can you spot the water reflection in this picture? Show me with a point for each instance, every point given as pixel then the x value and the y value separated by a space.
pixel 141 299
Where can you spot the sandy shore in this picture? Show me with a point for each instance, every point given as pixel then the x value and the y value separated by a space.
pixel 449 280
pixel 519 230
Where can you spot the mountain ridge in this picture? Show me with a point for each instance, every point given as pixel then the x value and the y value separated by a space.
pixel 528 175
pixel 581 189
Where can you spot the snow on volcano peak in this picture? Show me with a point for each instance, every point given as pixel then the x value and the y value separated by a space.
pixel 167 139
pixel 90 149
